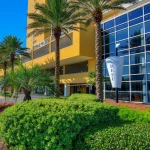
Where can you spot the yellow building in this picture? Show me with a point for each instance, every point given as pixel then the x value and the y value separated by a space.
pixel 77 58
pixel 76 55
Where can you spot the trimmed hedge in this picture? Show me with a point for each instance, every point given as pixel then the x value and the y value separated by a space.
pixel 83 97
pixel 50 124
pixel 128 114
pixel 133 136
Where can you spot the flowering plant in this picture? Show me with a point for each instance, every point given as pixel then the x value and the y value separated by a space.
pixel 4 105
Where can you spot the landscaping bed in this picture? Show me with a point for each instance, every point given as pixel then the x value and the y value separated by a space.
pixel 79 122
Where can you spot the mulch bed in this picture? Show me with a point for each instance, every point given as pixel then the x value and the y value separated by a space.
pixel 136 106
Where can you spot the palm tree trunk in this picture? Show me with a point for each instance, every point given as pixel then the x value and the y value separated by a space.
pixel 12 65
pixel 27 95
pixel 5 69
pixel 99 70
pixel 57 66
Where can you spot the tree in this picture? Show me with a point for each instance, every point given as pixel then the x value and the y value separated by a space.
pixel 4 61
pixel 93 11
pixel 12 47
pixel 59 17
pixel 28 79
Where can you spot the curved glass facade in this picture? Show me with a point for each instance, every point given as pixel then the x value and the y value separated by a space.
pixel 128 36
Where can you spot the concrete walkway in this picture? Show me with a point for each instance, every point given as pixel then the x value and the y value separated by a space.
pixel 20 98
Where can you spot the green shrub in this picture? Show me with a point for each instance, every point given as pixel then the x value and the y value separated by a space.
pixel 50 124
pixel 134 115
pixel 84 97
pixel 7 94
pixel 133 136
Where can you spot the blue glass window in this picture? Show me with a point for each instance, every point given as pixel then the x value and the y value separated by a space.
pixel 148 57
pixel 136 13
pixel 148 77
pixel 138 58
pixel 123 53
pixel 136 21
pixel 136 50
pixel 110 38
pixel 147 17
pixel 137 86
pixel 110 48
pixel 109 24
pixel 125 70
pixel 125 86
pixel 147 26
pixel 125 25
pixel 148 48
pixel 123 34
pixel 138 69
pixel 121 19
pixel 104 72
pixel 125 78
pixel 126 60
pixel 137 41
pixel 147 37
pixel 109 55
pixel 109 31
pixel 137 77
pixel 147 9
pixel 122 45
pixel 148 68
pixel 136 30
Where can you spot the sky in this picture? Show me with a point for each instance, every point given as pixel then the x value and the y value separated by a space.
pixel 13 19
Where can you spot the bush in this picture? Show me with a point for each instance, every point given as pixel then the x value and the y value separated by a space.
pixel 7 94
pixel 4 105
pixel 133 136
pixel 50 124
pixel 84 97
pixel 134 115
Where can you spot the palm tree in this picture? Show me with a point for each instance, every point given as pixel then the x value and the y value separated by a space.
pixel 12 47
pixel 28 79
pixel 4 61
pixel 93 11
pixel 59 17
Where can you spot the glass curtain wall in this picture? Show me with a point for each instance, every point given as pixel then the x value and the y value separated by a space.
pixel 128 36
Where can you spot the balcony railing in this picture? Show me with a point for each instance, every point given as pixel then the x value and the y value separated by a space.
pixel 48 46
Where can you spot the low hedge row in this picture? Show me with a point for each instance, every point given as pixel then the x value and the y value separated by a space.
pixel 83 97
pixel 128 114
pixel 131 136
pixel 50 124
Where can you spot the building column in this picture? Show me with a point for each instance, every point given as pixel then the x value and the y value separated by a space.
pixel 66 90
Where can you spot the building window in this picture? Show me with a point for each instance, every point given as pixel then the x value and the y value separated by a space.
pixel 147 26
pixel 136 30
pixel 147 9
pixel 121 19
pixel 137 41
pixel 109 24
pixel 136 13
pixel 77 68
pixel 123 34
pixel 138 58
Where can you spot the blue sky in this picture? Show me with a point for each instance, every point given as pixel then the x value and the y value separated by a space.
pixel 13 19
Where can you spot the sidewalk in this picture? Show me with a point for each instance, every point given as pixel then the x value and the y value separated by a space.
pixel 20 98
